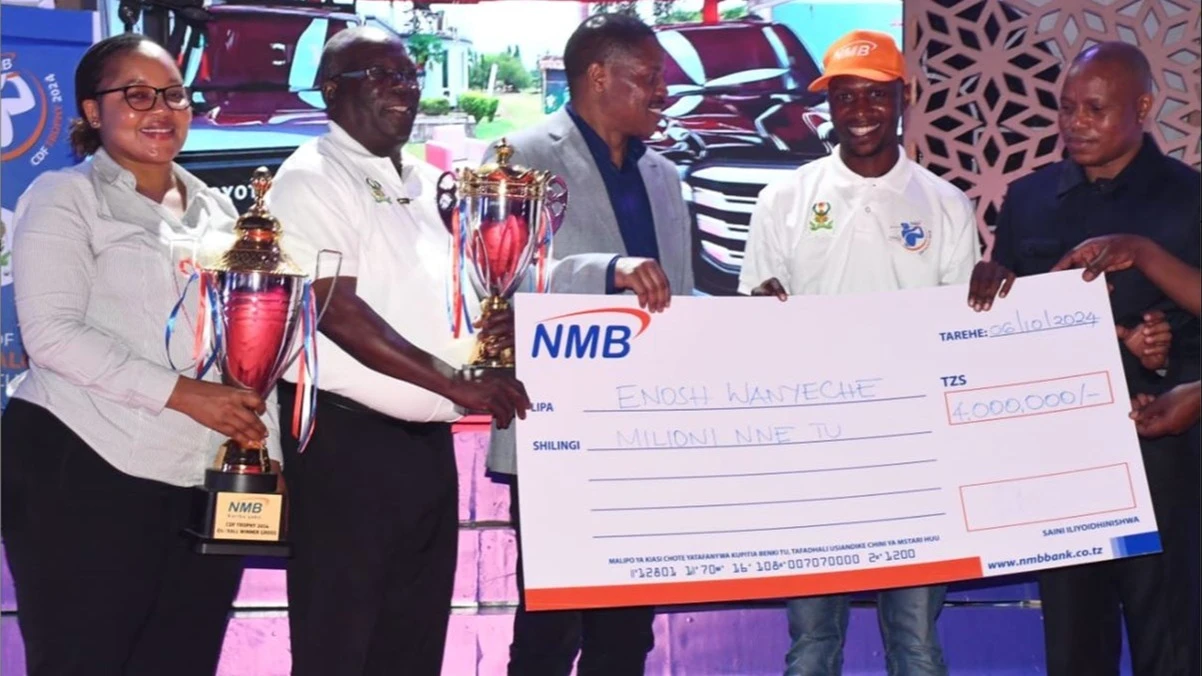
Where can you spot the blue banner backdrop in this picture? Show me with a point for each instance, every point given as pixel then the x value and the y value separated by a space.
pixel 37 104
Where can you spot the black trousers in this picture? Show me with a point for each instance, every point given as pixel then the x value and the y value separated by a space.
pixel 1084 607
pixel 611 641
pixel 105 582
pixel 374 523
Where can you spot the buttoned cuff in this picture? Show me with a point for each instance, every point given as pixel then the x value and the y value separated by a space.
pixel 610 286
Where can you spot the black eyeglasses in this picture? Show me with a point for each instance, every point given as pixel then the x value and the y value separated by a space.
pixel 143 97
pixel 407 79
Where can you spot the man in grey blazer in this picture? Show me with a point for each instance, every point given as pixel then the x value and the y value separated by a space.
pixel 624 199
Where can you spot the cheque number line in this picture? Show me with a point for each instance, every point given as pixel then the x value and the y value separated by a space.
pixel 774 528
pixel 769 445
pixel 751 474
pixel 754 408
pixel 768 502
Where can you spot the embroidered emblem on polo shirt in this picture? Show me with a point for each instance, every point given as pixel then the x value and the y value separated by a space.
pixel 914 237
pixel 821 219
pixel 377 190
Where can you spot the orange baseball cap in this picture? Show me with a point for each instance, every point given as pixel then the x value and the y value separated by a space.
pixel 867 54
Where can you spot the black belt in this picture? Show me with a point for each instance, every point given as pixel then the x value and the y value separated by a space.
pixel 339 401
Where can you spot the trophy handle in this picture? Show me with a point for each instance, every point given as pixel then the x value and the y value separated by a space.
pixel 550 218
pixel 447 197
pixel 555 208
pixel 555 204
pixel 324 306
pixel 333 282
pixel 479 264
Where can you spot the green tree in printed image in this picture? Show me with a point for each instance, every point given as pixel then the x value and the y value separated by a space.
pixel 510 71
pixel 666 12
pixel 425 49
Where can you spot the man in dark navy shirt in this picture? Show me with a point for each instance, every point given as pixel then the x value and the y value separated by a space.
pixel 1116 180
pixel 627 194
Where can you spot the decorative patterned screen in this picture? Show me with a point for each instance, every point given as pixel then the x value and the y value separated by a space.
pixel 987 75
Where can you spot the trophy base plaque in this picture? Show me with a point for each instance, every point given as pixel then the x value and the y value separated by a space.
pixel 241 515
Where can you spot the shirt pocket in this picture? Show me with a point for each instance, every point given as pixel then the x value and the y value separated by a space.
pixel 132 263
pixel 1038 254
pixel 125 252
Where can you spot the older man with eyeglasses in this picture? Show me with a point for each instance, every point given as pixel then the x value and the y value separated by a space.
pixel 374 516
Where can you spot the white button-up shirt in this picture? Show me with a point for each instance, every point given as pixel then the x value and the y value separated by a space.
pixel 332 193
pixel 826 230
pixel 96 272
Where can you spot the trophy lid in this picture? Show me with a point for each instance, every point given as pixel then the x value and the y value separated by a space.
pixel 257 247
pixel 501 177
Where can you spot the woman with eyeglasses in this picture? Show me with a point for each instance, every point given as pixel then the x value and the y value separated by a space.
pixel 104 440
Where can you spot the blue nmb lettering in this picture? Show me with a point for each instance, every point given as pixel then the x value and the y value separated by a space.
pixel 582 342
pixel 246 507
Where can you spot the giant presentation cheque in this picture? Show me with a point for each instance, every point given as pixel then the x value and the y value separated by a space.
pixel 743 448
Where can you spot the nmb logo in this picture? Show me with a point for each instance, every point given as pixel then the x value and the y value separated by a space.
pixel 851 49
pixel 245 507
pixel 598 338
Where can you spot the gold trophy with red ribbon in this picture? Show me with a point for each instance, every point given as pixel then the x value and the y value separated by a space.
pixel 501 218
pixel 255 306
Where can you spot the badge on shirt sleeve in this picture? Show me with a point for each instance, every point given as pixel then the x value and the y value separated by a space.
pixel 377 190
pixel 821 219
pixel 913 236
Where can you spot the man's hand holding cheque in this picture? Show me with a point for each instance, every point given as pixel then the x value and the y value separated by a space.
pixel 771 287
pixel 990 280
pixel 646 279
pixel 1181 282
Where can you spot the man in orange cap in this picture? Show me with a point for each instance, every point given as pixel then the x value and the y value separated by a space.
pixel 864 219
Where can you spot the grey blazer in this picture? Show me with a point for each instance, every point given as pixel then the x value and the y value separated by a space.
pixel 589 237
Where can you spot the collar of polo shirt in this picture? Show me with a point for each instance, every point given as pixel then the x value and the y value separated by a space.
pixel 895 179
pixel 1143 168
pixel 364 158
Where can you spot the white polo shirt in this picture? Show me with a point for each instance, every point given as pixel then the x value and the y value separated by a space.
pixel 334 194
pixel 826 230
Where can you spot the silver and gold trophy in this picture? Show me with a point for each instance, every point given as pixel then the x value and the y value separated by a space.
pixel 255 306
pixel 501 218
